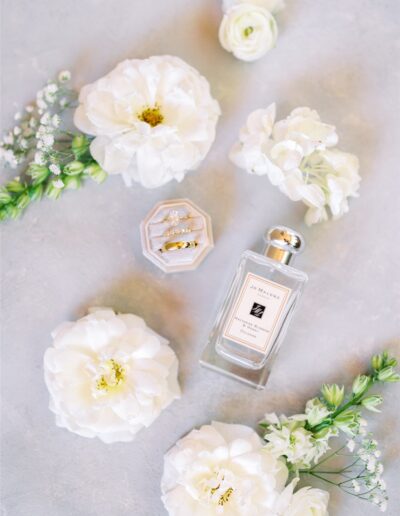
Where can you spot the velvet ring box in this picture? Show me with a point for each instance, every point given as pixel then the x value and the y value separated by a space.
pixel 176 235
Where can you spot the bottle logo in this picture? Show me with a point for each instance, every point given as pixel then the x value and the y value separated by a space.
pixel 257 310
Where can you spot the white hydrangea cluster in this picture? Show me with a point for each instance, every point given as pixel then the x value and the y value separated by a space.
pixel 299 156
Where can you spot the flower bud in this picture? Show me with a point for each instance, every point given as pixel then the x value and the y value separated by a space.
pixel 360 384
pixel 72 182
pixel 385 373
pixel 316 411
pixel 23 201
pixel 74 168
pixel 333 394
pixel 371 402
pixel 377 362
pixel 95 171
pixel 347 421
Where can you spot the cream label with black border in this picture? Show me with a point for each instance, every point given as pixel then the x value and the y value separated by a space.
pixel 256 312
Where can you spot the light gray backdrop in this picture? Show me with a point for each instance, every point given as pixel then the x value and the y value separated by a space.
pixel 341 58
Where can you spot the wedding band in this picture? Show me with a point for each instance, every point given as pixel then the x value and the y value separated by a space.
pixel 177 231
pixel 176 246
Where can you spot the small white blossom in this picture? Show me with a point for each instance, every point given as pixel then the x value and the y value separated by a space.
pixel 58 183
pixel 351 445
pixel 45 119
pixel 39 158
pixel 48 140
pixel 29 109
pixel 9 139
pixel 55 169
pixel 17 131
pixel 64 76
pixel 17 116
pixel 56 120
pixel 356 486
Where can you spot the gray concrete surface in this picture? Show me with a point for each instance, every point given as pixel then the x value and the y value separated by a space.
pixel 341 58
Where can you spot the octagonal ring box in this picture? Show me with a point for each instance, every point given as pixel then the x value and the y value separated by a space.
pixel 177 220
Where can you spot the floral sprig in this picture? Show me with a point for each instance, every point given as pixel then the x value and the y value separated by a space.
pixel 303 439
pixel 55 159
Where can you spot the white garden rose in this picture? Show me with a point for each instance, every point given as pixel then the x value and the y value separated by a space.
pixel 304 502
pixel 248 30
pixel 222 469
pixel 153 119
pixel 298 157
pixel 109 375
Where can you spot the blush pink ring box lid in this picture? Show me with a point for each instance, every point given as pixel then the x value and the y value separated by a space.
pixel 176 235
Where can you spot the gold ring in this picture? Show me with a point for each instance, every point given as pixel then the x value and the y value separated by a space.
pixel 174 217
pixel 176 246
pixel 177 231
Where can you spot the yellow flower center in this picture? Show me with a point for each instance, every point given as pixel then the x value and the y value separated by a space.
pixel 221 493
pixel 247 31
pixel 152 116
pixel 112 378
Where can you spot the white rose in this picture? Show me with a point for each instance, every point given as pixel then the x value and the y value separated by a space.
pixel 109 375
pixel 304 502
pixel 248 31
pixel 221 469
pixel 154 119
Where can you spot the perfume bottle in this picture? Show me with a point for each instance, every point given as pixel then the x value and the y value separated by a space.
pixel 254 318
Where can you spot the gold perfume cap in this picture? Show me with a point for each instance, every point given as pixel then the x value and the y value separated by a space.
pixel 283 243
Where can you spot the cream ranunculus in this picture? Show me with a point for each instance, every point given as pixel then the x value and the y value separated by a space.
pixel 222 469
pixel 153 119
pixel 109 375
pixel 248 30
pixel 304 502
pixel 298 157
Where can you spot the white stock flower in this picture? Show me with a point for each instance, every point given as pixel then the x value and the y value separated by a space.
pixel 287 436
pixel 221 469
pixel 298 157
pixel 109 375
pixel 248 30
pixel 304 502
pixel 154 119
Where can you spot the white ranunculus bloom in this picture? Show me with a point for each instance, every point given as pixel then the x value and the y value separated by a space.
pixel 248 30
pixel 153 119
pixel 304 502
pixel 222 469
pixel 298 157
pixel 109 375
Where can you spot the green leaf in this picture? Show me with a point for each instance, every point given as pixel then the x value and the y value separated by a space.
pixel 15 186
pixel 80 145
pixel 52 192
pixel 95 171
pixel 5 196
pixel 38 173
pixel 12 211
pixel 23 200
pixel 36 192
pixel 74 168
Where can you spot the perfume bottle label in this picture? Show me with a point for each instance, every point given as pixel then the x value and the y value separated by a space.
pixel 256 312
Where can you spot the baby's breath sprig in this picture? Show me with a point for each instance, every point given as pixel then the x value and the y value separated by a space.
pixel 55 159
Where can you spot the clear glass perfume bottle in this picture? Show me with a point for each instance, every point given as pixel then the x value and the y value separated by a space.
pixel 254 318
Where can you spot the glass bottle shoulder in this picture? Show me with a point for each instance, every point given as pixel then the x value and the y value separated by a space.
pixel 264 266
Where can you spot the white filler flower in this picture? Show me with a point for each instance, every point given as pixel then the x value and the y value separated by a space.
pixel 154 119
pixel 248 29
pixel 109 375
pixel 222 469
pixel 298 155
